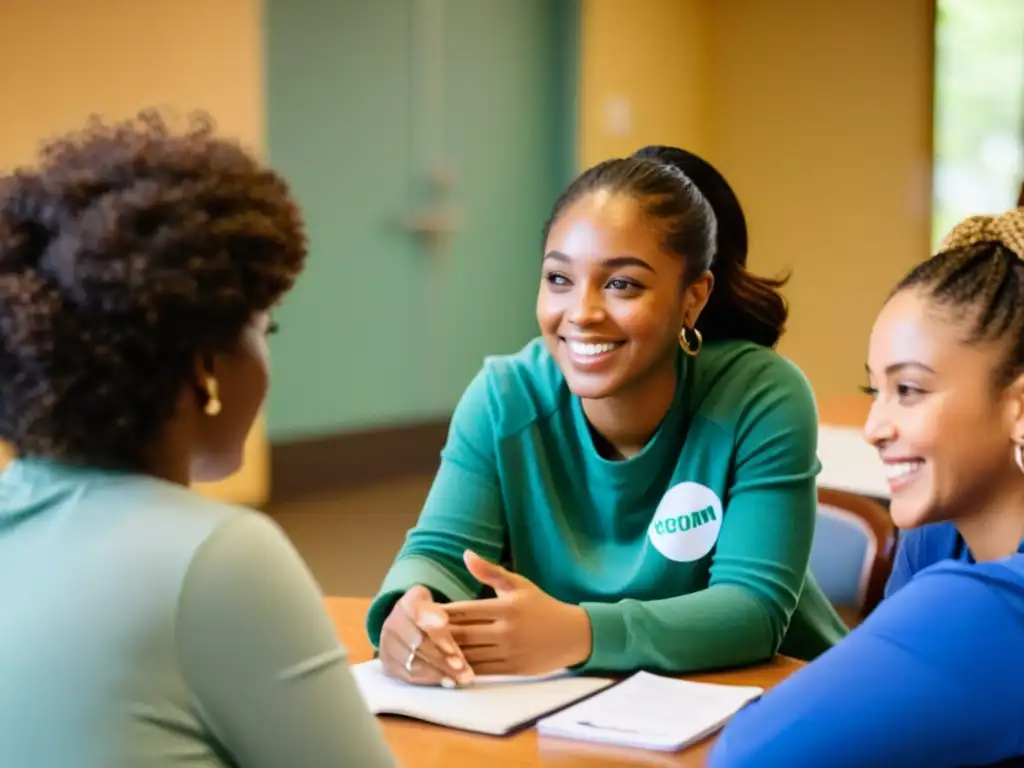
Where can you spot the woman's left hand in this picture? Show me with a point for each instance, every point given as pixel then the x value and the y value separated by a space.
pixel 520 631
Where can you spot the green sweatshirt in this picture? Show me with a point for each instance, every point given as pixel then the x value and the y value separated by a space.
pixel 691 555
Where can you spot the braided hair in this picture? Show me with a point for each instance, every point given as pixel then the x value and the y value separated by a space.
pixel 979 274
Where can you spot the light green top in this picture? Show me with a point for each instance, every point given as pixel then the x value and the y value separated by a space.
pixel 691 555
pixel 145 625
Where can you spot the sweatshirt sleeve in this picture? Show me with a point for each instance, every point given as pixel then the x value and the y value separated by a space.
pixel 761 557
pixel 262 660
pixel 463 510
pixel 920 547
pixel 931 678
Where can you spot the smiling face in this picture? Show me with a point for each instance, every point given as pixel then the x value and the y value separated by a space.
pixel 941 422
pixel 612 300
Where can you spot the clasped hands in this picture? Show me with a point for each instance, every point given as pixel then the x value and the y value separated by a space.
pixel 520 631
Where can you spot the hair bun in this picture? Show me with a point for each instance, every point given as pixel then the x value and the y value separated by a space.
pixel 1006 228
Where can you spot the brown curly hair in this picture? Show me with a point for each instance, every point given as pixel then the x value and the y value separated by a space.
pixel 127 253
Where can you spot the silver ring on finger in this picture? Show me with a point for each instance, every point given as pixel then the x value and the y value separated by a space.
pixel 412 651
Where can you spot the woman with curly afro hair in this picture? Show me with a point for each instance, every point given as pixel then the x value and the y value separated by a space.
pixel 144 624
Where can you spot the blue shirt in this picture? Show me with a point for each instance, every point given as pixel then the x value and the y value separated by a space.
pixel 934 677
pixel 920 547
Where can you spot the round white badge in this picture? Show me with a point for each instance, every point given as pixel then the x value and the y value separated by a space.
pixel 686 523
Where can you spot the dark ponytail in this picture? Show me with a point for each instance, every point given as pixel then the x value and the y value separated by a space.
pixel 742 305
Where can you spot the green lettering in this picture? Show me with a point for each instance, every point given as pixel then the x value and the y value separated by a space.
pixel 702 516
pixel 685 522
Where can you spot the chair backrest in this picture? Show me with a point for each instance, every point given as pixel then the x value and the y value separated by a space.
pixel 851 557
pixel 842 555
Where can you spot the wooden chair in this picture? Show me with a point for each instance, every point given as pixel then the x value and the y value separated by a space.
pixel 853 549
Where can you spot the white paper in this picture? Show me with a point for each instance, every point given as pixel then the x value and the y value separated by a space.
pixel 849 463
pixel 494 705
pixel 651 712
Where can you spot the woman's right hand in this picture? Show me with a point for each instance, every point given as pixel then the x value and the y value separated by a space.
pixel 416 645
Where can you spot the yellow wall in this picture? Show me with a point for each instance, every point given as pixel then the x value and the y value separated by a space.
pixel 65 59
pixel 831 160
pixel 654 55
pixel 820 116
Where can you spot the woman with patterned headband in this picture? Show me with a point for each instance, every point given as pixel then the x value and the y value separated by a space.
pixel 934 676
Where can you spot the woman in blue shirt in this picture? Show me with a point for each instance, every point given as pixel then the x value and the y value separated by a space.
pixel 934 677
pixel 143 624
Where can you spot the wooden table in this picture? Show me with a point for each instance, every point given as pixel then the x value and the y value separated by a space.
pixel 420 745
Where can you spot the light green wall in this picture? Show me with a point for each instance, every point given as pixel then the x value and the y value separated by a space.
pixel 378 330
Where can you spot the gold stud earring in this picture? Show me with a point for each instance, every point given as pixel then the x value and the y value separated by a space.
pixel 684 342
pixel 212 407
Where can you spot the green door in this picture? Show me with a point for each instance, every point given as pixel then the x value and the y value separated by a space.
pixel 366 99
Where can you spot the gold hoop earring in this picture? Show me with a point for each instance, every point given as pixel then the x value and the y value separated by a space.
pixel 1018 456
pixel 685 343
pixel 212 407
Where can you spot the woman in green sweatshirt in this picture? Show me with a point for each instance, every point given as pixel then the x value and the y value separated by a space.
pixel 636 488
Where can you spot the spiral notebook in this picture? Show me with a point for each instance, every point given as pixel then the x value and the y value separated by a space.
pixel 492 705
pixel 651 712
